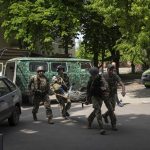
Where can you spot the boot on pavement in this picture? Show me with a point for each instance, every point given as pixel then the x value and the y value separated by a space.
pixel 89 124
pixel 50 121
pixel 34 117
pixel 67 114
pixel 102 132
pixel 114 128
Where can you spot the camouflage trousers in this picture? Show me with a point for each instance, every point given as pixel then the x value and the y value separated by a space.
pixel 112 100
pixel 97 104
pixel 65 105
pixel 47 104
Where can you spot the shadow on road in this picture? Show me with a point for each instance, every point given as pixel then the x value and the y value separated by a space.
pixel 141 93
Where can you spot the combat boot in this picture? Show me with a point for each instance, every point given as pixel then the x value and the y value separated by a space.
pixel 105 118
pixel 102 132
pixel 50 121
pixel 89 124
pixel 34 117
pixel 114 128
pixel 67 114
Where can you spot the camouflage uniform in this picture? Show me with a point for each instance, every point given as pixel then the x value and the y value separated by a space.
pixel 97 93
pixel 65 84
pixel 40 89
pixel 112 81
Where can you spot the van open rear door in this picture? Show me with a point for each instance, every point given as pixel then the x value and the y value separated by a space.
pixel 10 71
pixel 1 69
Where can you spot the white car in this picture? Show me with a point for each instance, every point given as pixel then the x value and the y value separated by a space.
pixel 146 78
pixel 10 101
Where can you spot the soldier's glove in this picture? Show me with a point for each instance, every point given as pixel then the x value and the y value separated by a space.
pixel 123 93
pixel 86 102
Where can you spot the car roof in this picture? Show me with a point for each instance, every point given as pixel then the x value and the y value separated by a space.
pixel 49 59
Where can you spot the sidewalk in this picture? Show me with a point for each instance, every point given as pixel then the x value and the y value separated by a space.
pixel 135 93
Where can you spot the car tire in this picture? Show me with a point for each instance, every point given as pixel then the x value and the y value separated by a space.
pixel 31 100
pixel 15 116
pixel 147 86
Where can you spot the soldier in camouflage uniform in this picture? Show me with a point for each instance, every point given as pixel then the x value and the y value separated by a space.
pixel 112 79
pixel 64 79
pixel 39 87
pixel 97 93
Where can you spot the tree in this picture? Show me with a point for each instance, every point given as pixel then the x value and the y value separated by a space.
pixel 94 33
pixel 98 38
pixel 81 52
pixel 132 19
pixel 37 23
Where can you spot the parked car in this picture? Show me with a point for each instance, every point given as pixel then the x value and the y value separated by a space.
pixel 146 78
pixel 10 101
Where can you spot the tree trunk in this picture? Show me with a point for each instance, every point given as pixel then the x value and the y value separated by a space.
pixel 66 47
pixel 95 58
pixel 103 55
pixel 116 58
pixel 132 67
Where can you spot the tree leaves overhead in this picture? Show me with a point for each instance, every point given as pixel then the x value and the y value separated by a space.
pixel 132 18
pixel 37 23
pixel 118 26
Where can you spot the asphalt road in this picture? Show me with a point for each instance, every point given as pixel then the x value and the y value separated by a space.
pixel 133 124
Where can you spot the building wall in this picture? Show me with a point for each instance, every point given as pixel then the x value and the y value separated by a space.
pixel 57 49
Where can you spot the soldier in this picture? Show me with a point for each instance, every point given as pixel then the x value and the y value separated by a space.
pixel 64 79
pixel 39 87
pixel 97 93
pixel 112 79
pixel 119 102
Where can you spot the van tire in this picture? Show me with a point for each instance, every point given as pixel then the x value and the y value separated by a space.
pixel 147 86
pixel 30 98
pixel 13 120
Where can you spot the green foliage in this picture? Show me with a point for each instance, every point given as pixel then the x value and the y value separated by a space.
pixel 38 23
pixel 132 18
pixel 82 53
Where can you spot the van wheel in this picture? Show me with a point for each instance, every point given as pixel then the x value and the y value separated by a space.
pixel 15 116
pixel 147 86
pixel 30 98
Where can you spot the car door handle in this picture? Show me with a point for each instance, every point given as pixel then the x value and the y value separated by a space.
pixel 1 101
pixel 13 96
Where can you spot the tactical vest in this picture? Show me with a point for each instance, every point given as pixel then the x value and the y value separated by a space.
pixel 112 82
pixel 40 84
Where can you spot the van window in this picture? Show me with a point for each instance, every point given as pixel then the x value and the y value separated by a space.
pixel 55 64
pixel 85 65
pixel 33 66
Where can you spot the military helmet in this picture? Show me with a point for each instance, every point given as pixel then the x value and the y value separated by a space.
pixel 60 67
pixel 94 71
pixel 110 66
pixel 40 68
